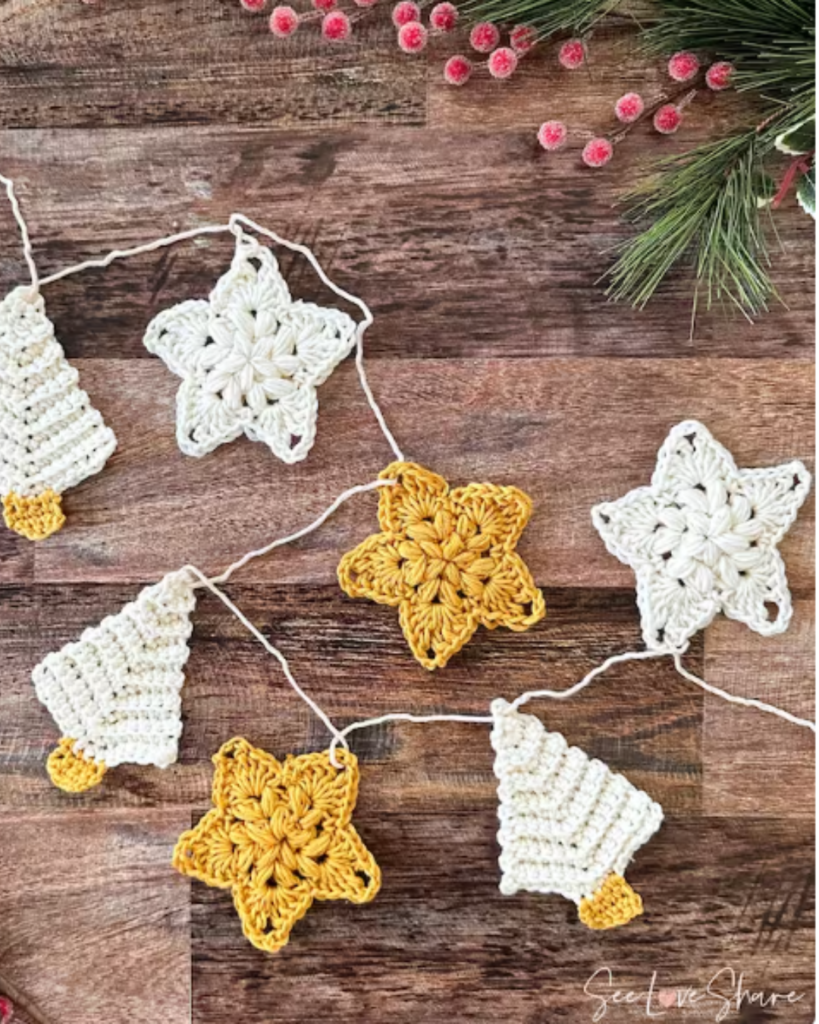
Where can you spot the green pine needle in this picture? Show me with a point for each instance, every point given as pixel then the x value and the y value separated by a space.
pixel 703 210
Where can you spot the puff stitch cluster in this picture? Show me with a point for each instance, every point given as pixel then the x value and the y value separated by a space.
pixel 446 559
pixel 116 693
pixel 568 824
pixel 250 358
pixel 51 437
pixel 702 538
pixel 279 837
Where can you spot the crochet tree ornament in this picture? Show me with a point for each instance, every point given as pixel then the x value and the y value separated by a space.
pixel 116 693
pixel 250 358
pixel 702 538
pixel 279 837
pixel 51 437
pixel 446 559
pixel 568 824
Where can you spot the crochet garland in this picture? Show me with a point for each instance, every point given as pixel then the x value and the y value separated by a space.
pixel 701 539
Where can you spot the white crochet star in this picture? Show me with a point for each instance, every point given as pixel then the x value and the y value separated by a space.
pixel 250 358
pixel 702 539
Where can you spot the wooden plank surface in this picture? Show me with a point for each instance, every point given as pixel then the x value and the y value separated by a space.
pixel 496 356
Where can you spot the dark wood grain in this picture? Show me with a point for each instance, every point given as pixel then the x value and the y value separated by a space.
pixel 496 356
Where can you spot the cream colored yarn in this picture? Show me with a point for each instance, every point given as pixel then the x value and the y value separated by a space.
pixel 567 822
pixel 116 691
pixel 250 358
pixel 51 437
pixel 702 538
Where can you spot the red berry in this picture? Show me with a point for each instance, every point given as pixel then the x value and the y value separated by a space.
pixel 683 66
pixel 405 12
pixel 522 38
pixel 718 76
pixel 629 107
pixel 572 54
pixel 443 17
pixel 484 37
pixel 457 70
pixel 324 5
pixel 253 5
pixel 552 135
pixel 502 62
pixel 283 22
pixel 412 37
pixel 336 26
pixel 597 153
pixel 667 119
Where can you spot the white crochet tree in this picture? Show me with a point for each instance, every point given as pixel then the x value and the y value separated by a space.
pixel 116 693
pixel 51 437
pixel 568 824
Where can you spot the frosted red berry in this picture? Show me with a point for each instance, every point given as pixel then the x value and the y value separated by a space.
pixel 718 76
pixel 253 5
pixel 457 70
pixel 667 119
pixel 484 37
pixel 552 135
pixel 522 38
pixel 502 62
pixel 412 37
pixel 324 5
pixel 336 26
pixel 443 17
pixel 572 54
pixel 405 12
pixel 629 107
pixel 597 153
pixel 683 66
pixel 283 22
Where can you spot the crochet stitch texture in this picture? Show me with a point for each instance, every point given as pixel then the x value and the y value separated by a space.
pixel 116 693
pixel 279 837
pixel 250 358
pixel 447 560
pixel 51 437
pixel 568 824
pixel 702 538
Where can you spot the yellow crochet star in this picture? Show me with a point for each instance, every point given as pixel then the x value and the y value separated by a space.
pixel 447 560
pixel 279 837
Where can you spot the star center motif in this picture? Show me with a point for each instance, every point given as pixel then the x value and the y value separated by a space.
pixel 702 538
pixel 250 358
pixel 279 837
pixel 446 558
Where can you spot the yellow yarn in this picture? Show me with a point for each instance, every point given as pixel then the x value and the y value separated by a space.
pixel 35 518
pixel 279 837
pixel 72 772
pixel 446 559
pixel 614 903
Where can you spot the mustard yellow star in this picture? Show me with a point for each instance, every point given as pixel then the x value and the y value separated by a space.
pixel 279 837
pixel 446 559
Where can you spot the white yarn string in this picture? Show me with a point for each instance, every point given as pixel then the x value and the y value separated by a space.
pixel 748 702
pixel 121 254
pixel 277 654
pixel 24 235
pixel 223 577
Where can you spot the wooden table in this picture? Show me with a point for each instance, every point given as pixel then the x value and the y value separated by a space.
pixel 496 356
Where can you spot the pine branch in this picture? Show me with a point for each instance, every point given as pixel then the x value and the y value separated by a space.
pixel 703 211
pixel 545 16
